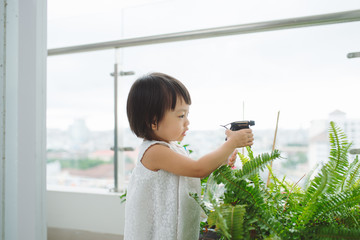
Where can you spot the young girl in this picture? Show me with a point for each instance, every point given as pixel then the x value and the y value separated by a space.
pixel 158 205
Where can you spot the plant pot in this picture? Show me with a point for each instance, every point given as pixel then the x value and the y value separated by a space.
pixel 209 234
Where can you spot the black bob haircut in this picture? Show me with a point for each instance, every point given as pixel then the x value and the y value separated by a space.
pixel 149 98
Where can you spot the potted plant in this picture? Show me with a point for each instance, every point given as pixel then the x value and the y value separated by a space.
pixel 239 205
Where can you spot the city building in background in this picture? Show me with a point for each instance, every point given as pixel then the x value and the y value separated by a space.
pixel 319 147
pixel 79 157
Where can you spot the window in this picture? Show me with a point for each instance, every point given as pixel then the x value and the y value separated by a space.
pixel 303 73
pixel 80 120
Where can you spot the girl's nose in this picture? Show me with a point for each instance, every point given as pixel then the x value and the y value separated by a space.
pixel 187 122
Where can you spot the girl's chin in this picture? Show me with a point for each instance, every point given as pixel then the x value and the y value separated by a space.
pixel 180 139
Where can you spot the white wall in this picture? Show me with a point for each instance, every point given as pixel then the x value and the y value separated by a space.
pixel 23 55
pixel 94 212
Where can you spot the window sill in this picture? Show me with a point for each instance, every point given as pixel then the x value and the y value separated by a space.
pixel 100 191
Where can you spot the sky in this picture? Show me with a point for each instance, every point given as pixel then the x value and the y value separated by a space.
pixel 303 73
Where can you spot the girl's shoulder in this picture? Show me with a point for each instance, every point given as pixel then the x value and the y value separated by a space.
pixel 151 149
pixel 146 144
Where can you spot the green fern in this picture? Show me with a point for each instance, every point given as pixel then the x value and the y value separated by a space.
pixel 337 204
pixel 338 161
pixel 244 159
pixel 237 186
pixel 354 174
pixel 331 232
pixel 256 164
pixel 316 189
pixel 229 220
pixel 217 216
pixel 326 208
pixel 201 203
pixel 242 189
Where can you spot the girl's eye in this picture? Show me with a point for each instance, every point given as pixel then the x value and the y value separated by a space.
pixel 181 116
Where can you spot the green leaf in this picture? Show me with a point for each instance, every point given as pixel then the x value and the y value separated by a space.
pixel 229 221
pixel 354 173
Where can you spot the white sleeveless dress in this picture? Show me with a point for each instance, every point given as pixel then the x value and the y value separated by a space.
pixel 158 205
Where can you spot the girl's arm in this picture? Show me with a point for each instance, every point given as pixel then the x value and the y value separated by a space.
pixel 232 159
pixel 161 157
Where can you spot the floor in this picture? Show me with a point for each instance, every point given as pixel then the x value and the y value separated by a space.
pixel 69 234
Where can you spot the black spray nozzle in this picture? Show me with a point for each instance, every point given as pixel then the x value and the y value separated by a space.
pixel 238 125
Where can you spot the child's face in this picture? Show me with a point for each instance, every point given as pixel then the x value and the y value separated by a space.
pixel 175 123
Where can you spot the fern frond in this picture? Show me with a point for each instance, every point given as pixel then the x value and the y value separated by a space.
pixel 316 188
pixel 234 218
pixel 338 161
pixel 334 203
pixel 256 164
pixel 357 184
pixel 216 218
pixel 308 179
pixel 270 222
pixel 277 183
pixel 250 152
pixel 225 175
pixel 354 173
pixel 317 185
pixel 243 158
pixel 201 203
pixel 250 195
pixel 331 232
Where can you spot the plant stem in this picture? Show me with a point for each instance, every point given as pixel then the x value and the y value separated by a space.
pixel 292 190
pixel 273 147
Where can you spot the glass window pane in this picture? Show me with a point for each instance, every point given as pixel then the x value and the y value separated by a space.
pixel 303 73
pixel 80 120
pixel 88 21
pixel 177 16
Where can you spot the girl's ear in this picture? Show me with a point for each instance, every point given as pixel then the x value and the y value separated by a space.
pixel 154 125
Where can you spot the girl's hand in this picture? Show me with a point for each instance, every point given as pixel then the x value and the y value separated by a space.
pixel 241 138
pixel 232 158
